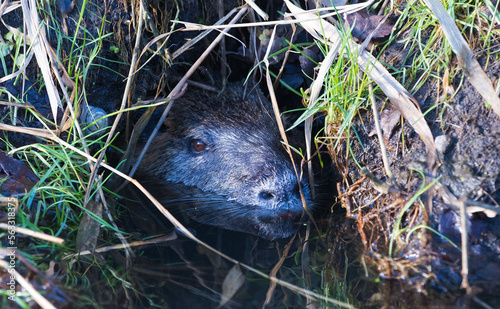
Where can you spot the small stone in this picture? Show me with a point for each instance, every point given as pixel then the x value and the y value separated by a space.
pixel 443 143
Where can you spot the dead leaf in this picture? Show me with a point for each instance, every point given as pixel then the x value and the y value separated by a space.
pixel 232 283
pixel 389 119
pixel 21 177
pixel 364 24
pixel 89 227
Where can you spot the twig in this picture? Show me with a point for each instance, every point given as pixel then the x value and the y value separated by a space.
pixel 189 44
pixel 481 303
pixel 285 59
pixel 383 149
pixel 26 62
pixel 379 185
pixel 490 210
pixel 125 245
pixel 382 8
pixel 222 46
pixel 44 133
pixel 465 248
pixel 274 271
pixel 39 235
pixel 257 9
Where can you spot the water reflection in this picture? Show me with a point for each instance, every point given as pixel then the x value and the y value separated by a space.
pixel 182 274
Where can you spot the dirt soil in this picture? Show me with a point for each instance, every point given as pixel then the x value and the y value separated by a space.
pixel 427 270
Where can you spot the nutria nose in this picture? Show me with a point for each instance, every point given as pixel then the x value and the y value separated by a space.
pixel 271 195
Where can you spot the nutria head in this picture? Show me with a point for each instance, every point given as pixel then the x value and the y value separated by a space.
pixel 222 157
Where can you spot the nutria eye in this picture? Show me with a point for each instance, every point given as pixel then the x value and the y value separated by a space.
pixel 199 145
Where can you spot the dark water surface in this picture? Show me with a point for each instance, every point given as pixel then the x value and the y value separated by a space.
pixel 179 273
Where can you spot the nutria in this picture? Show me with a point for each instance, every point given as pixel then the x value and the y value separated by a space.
pixel 222 157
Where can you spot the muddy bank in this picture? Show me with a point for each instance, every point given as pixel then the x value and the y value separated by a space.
pixel 425 267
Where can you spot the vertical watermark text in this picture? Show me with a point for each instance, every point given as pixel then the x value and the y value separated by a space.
pixel 10 206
